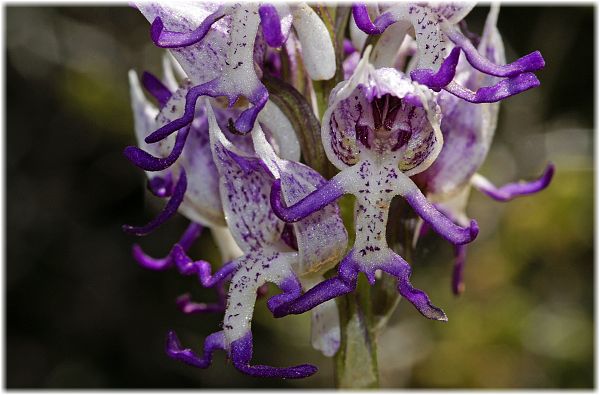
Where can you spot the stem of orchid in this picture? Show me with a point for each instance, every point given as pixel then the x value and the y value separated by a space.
pixel 356 359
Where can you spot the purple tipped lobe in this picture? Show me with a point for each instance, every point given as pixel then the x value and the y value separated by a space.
pixel 315 201
pixel 516 189
pixel 241 354
pixel 190 235
pixel 439 222
pixel 271 25
pixel 169 39
pixel 214 342
pixel 148 162
pixel 161 93
pixel 169 210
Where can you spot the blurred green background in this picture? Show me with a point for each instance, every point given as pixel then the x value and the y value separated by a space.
pixel 81 314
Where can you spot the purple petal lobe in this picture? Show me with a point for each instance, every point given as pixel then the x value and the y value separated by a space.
pixel 213 342
pixel 530 62
pixel 439 222
pixel 161 93
pixel 516 189
pixel 444 75
pixel 169 210
pixel 271 25
pixel 188 115
pixel 364 23
pixel 400 269
pixel 241 354
pixel 502 90
pixel 169 39
pixel 148 162
pixel 312 203
pixel 190 235
pixel 201 268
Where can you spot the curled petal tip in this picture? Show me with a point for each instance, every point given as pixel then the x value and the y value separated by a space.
pixel 305 370
pixel 442 77
pixel 548 175
pixel 172 344
pixel 473 230
pixel 535 61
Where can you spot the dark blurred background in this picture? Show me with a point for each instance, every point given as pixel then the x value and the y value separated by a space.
pixel 81 314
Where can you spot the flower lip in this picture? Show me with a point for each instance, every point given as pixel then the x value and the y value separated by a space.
pixel 381 112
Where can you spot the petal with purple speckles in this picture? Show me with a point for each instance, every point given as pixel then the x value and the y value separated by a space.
pixel 244 188
pixel 381 112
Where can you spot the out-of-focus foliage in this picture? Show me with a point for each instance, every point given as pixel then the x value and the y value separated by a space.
pixel 81 314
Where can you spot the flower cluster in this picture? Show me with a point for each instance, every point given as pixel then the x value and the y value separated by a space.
pixel 409 118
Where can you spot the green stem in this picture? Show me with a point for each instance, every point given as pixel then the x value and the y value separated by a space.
pixel 356 360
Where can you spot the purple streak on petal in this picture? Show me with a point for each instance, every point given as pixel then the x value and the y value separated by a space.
pixel 343 283
pixel 460 257
pixel 271 25
pixel 190 235
pixel 169 210
pixel 213 342
pixel 400 269
pixel 516 189
pixel 247 118
pixel 291 290
pixel 168 39
pixel 161 186
pixel 444 75
pixel 490 94
pixel 188 114
pixel 188 267
pixel 241 354
pixel 364 23
pixel 148 162
pixel 187 306
pixel 161 93
pixel 530 62
pixel 439 222
pixel 313 202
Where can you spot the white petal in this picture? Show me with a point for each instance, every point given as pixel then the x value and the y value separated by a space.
pixel 272 118
pixel 317 49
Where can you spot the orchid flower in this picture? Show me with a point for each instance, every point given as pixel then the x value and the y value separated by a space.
pixel 268 252
pixel 195 193
pixel 468 131
pixel 218 46
pixel 440 43
pixel 379 129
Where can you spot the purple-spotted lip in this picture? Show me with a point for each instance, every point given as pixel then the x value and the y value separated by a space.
pixel 381 111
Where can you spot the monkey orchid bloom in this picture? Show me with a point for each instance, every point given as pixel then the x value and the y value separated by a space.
pixel 195 194
pixel 468 131
pixel 245 181
pixel 379 129
pixel 217 46
pixel 440 42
